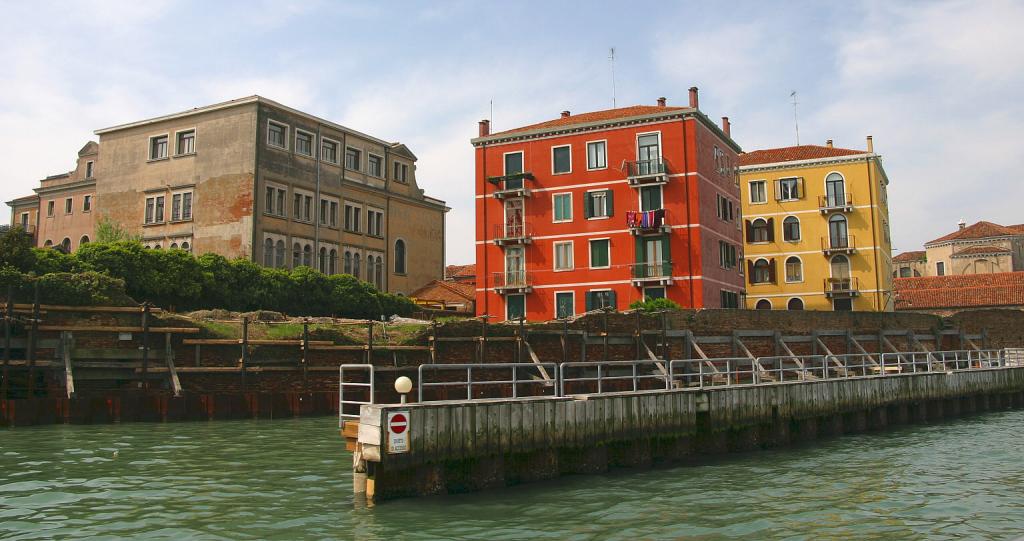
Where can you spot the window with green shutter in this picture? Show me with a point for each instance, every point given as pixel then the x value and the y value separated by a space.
pixel 598 204
pixel 562 203
pixel 564 302
pixel 599 253
pixel 597 300
pixel 650 198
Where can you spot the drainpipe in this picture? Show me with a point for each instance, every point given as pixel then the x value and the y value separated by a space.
pixel 319 205
pixel 874 233
pixel 686 185
pixel 386 286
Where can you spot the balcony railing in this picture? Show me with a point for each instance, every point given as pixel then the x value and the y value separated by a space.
pixel 647 222
pixel 511 185
pixel 512 281
pixel 835 203
pixel 514 233
pixel 652 271
pixel 838 244
pixel 842 287
pixel 646 172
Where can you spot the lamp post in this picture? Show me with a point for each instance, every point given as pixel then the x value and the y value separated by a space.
pixel 403 385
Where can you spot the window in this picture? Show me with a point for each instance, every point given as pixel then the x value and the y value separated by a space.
pixel 564 304
pixel 65 245
pixel 274 203
pixel 838 235
pixel 323 260
pixel 328 150
pixel 353 159
pixel 86 203
pixel 757 192
pixel 650 198
pixel 648 152
pixel 763 304
pixel 651 293
pixel 49 208
pixel 186 143
pixel 89 169
pixel 83 241
pixel 600 299
pixel 401 172
pixel 154 210
pixel 332 262
pixel 158 147
pixel 324 205
pixel 760 230
pixel 598 204
pixel 905 272
pixel 762 272
pixel 307 255
pixel 563 256
pixel 513 163
pixel 562 203
pixel 69 204
pixel 376 167
pixel 24 220
pixel 600 254
pixel 277 134
pixel 399 256
pixel 561 160
pixel 794 269
pixel 725 210
pixel 791 229
pixel 727 256
pixel 303 143
pixel 597 155
pixel 375 223
pixel 268 252
pixel 353 214
pixel 835 190
pixel 795 304
pixel 515 307
pixel 334 214
pixel 379 273
pixel 721 161
pixel 940 268
pixel 788 189
pixel 842 304
pixel 356 264
pixel 176 207
pixel 278 253
pixel 296 255
pixel 730 299
pixel 347 265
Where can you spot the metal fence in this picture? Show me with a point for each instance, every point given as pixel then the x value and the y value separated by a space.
pixel 359 388
pixel 491 380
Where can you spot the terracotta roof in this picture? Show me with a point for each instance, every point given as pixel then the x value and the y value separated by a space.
pixel 1019 228
pixel 460 271
pixel 596 116
pixel 792 154
pixel 905 257
pixel 963 291
pixel 974 250
pixel 446 291
pixel 980 230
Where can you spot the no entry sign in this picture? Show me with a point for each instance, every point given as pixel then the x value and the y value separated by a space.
pixel 398 431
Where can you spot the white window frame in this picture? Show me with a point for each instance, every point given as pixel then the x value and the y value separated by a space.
pixel 590 253
pixel 587 147
pixel 554 208
pixel 800 226
pixel 87 199
pixel 383 165
pixel 752 227
pixel 337 150
pixel 194 141
pixel 569 172
pixel 803 304
pixel 636 146
pixel 640 197
pixel 572 255
pixel 764 191
pixel 359 166
pixel 785 271
pixel 600 290
pixel 337 219
pixel 312 143
pixel 149 147
pixel 754 273
pixel 503 160
pixel 796 186
pixel 606 215
pixel 69 205
pixel 192 212
pixel 555 299
pixel 769 301
pixel 287 130
pixel 664 291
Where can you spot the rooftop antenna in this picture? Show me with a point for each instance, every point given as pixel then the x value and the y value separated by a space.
pixel 611 60
pixel 796 123
pixel 490 117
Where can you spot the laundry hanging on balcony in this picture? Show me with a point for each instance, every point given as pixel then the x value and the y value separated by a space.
pixel 647 219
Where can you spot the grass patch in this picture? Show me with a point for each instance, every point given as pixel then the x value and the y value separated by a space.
pixel 216 329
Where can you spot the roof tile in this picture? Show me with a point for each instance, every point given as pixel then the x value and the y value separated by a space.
pixel 792 154
pixel 595 116
pixel 962 291
pixel 980 230
pixel 915 255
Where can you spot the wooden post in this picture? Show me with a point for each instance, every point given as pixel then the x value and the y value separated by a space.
pixel 433 341
pixel 688 345
pixel 305 354
pixel 735 343
pixel 66 343
pixel 583 341
pixel 369 342
pixel 637 337
pixel 778 343
pixel 814 342
pixel 665 351
pixel 245 349
pixel 604 337
pixel 172 371
pixel 483 341
pixel 145 345
pixel 565 341
pixel 32 335
pixel 519 341
pixel 8 314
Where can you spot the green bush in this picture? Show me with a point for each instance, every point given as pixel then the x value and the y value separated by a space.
pixel 83 289
pixel 16 249
pixel 655 305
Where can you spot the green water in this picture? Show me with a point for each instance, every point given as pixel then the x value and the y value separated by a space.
pixel 291 480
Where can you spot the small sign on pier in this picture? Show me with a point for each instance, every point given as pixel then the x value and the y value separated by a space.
pixel 398 431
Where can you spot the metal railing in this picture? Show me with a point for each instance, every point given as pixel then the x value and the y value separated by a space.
pixel 644 221
pixel 600 377
pixel 512 231
pixel 530 377
pixel 367 390
pixel 652 270
pixel 512 280
pixel 645 168
pixel 838 243
pixel 834 202
pixel 842 286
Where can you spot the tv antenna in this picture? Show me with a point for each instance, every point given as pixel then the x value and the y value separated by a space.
pixel 796 123
pixel 611 60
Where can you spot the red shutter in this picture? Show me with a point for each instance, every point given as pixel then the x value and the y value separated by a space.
pixel 771 270
pixel 800 188
pixel 749 230
pixel 771 229
pixel 750 269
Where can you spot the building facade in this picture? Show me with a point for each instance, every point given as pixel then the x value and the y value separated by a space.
pixel 981 248
pixel 255 179
pixel 602 209
pixel 816 223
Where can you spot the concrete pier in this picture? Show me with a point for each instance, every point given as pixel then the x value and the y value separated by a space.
pixel 461 446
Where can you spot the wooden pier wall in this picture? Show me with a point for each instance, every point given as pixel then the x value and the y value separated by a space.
pixel 460 446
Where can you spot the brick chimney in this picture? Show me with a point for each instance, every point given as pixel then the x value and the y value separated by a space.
pixel 961 224
pixel 662 101
pixel 828 143
pixel 565 114
pixel 726 126
pixel 485 128
pixel 693 97
pixel 871 144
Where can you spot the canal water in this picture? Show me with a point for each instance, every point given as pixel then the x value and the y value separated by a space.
pixel 291 479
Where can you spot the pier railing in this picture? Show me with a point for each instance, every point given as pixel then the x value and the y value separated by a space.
pixel 506 380
pixel 348 406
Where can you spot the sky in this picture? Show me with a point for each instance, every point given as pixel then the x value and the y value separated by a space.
pixel 937 84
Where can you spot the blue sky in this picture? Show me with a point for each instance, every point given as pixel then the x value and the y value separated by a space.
pixel 938 84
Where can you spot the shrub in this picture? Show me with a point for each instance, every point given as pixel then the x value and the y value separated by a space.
pixel 655 305
pixel 16 249
pixel 83 289
pixel 50 261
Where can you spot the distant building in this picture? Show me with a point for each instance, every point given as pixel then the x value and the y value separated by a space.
pixel 461 273
pixel 816 220
pixel 256 179
pixel 910 264
pixel 944 295
pixel 447 295
pixel 605 208
pixel 982 248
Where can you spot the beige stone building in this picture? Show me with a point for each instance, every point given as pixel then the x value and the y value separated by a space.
pixel 982 248
pixel 256 179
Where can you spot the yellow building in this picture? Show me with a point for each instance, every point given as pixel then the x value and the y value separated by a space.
pixel 817 229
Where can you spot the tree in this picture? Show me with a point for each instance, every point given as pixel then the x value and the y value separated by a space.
pixel 16 249
pixel 108 230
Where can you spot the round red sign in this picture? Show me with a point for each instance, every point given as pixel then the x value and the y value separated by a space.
pixel 398 423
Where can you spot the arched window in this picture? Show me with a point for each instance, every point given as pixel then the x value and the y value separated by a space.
pixel 174 246
pixel 762 272
pixel 296 256
pixel 65 245
pixel 307 255
pixel 156 246
pixel 399 256
pixel 323 260
pixel 840 266
pixel 791 229
pixel 837 232
pixel 794 269
pixel 982 266
pixel 268 253
pixel 764 304
pixel 84 240
pixel 835 190
pixel 759 230
pixel 332 262
pixel 369 268
pixel 279 255
pixel 795 304
pixel 379 269
pixel 348 262
pixel 48 243
pixel 185 246
pixel 355 265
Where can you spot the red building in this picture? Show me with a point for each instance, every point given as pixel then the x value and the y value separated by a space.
pixel 606 208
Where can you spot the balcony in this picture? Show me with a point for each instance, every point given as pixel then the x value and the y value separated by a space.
pixel 511 185
pixel 512 234
pixel 646 172
pixel 512 282
pixel 652 272
pixel 841 287
pixel 650 222
pixel 837 244
pixel 832 203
